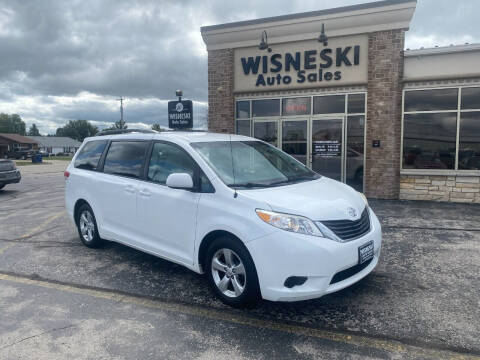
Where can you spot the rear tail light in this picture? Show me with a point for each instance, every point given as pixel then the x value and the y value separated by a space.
pixel 66 174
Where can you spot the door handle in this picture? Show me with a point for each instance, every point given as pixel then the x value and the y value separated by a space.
pixel 130 189
pixel 145 192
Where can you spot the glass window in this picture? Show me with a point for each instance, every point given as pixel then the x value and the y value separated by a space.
pixel 266 131
pixel 469 150
pixel 329 104
pixel 243 127
pixel 294 139
pixel 256 164
pixel 429 141
pixel 356 103
pixel 167 159
pixel 296 106
pixel 355 151
pixel 428 100
pixel 270 107
pixel 471 98
pixel 243 109
pixel 90 155
pixel 125 158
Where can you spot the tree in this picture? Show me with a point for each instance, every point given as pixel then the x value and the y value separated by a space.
pixel 157 127
pixel 33 131
pixel 12 124
pixel 77 129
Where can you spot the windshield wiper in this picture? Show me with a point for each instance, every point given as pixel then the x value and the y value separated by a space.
pixel 249 185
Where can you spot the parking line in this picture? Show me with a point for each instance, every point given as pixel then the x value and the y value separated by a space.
pixel 391 346
pixel 33 231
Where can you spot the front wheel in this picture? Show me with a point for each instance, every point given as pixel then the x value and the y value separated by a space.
pixel 231 273
pixel 87 227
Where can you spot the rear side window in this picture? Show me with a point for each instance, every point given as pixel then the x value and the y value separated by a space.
pixel 90 155
pixel 125 158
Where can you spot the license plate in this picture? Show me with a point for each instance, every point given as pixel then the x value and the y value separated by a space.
pixel 365 252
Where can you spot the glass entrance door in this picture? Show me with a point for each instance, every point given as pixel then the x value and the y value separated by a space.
pixel 295 139
pixel 327 147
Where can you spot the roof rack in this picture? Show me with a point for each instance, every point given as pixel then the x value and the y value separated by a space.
pixel 125 131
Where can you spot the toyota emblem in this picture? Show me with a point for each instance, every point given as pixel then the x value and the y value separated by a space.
pixel 352 212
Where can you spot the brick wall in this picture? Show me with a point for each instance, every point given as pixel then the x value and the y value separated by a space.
pixel 440 188
pixel 385 72
pixel 221 106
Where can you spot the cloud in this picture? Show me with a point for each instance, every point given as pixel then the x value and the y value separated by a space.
pixel 63 60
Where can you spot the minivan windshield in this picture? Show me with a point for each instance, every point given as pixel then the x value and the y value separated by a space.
pixel 252 164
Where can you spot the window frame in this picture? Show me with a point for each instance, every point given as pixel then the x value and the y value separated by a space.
pixel 458 111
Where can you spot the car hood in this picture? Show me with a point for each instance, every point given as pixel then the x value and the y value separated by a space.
pixel 322 199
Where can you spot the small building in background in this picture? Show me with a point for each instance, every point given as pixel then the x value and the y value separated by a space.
pixel 55 145
pixel 15 142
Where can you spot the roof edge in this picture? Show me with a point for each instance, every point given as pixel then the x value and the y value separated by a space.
pixel 302 15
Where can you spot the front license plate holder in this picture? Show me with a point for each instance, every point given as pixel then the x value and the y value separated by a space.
pixel 365 252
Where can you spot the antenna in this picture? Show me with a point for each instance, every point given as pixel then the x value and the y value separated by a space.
pixel 233 168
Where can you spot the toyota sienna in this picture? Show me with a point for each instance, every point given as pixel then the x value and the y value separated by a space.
pixel 255 220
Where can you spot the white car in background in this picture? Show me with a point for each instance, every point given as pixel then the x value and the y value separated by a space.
pixel 256 221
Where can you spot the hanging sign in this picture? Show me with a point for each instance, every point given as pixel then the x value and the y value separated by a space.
pixel 180 114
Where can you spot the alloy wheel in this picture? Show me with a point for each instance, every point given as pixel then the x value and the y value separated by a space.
pixel 87 226
pixel 228 273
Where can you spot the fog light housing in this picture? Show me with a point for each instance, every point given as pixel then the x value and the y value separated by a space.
pixel 294 281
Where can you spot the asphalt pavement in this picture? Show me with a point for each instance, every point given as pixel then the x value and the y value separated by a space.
pixel 59 299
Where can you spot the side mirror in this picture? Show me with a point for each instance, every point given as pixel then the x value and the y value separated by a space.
pixel 180 181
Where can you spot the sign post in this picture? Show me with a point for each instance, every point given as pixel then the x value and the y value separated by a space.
pixel 180 113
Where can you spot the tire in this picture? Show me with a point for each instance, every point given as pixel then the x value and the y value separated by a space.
pixel 87 227
pixel 24 157
pixel 234 286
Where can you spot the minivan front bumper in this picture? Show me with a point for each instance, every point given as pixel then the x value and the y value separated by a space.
pixel 283 254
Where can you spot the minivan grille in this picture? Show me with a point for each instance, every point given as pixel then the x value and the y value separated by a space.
pixel 350 229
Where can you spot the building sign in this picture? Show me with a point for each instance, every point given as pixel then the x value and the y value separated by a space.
pixel 180 114
pixel 302 64
pixel 327 148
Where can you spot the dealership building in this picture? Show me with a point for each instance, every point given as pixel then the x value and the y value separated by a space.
pixel 337 90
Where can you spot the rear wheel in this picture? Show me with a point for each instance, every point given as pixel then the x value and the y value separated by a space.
pixel 231 273
pixel 87 227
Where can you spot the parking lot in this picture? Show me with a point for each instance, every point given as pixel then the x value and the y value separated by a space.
pixel 59 299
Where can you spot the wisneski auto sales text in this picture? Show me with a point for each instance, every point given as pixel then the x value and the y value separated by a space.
pixel 311 60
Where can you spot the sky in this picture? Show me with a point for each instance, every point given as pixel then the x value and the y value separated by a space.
pixel 66 60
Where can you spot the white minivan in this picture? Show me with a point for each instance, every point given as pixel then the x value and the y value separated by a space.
pixel 255 220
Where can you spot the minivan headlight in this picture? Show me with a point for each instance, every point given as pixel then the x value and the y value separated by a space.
pixel 293 223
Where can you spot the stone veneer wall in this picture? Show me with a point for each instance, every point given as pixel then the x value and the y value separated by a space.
pixel 221 103
pixel 384 110
pixel 440 188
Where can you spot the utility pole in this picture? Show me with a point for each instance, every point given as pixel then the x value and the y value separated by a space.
pixel 121 123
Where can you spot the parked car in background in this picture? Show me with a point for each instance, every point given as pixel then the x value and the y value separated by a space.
pixel 9 174
pixel 20 154
pixel 255 220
